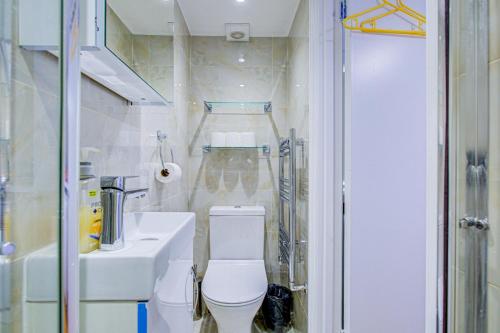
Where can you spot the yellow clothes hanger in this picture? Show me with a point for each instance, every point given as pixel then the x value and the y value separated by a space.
pixel 369 25
pixel 403 6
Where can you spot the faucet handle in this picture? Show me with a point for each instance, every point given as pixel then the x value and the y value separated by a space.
pixel 118 182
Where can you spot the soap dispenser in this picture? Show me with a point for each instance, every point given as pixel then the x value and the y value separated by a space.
pixel 90 203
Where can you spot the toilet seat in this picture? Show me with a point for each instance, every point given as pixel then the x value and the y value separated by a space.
pixel 235 282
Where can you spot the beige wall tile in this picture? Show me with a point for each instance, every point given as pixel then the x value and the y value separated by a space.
pixel 275 69
pixel 493 308
pixel 234 177
pixel 494 30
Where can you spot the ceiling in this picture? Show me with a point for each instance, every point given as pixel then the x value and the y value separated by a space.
pixel 145 17
pixel 267 18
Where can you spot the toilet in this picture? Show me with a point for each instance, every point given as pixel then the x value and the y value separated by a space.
pixel 235 282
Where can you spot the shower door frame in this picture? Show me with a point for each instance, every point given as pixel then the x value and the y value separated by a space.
pixel 325 171
pixel 67 214
pixel 69 230
pixel 475 238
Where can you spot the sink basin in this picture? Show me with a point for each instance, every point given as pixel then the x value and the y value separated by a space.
pixel 152 240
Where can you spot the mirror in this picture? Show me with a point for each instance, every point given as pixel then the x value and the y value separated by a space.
pixel 140 34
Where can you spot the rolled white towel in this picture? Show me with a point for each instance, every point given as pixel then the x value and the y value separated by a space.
pixel 218 139
pixel 248 139
pixel 233 139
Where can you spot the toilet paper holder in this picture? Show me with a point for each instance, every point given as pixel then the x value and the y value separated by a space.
pixel 161 138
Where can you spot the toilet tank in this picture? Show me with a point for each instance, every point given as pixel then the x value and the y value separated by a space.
pixel 237 232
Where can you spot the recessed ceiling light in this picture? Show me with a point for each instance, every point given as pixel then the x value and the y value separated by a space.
pixel 240 0
pixel 241 59
pixel 242 85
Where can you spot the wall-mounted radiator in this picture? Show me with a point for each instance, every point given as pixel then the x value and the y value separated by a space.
pixel 288 243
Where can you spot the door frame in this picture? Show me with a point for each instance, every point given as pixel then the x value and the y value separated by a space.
pixel 333 160
pixel 325 171
pixel 326 130
pixel 436 112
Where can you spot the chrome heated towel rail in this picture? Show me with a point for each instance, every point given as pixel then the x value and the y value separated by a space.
pixel 288 195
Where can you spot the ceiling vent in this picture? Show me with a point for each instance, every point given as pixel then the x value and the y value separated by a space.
pixel 237 32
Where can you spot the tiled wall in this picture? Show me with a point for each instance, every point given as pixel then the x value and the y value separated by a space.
pixel 275 69
pixel 154 61
pixel 151 56
pixel 236 177
pixel 298 118
pixel 172 121
pixel 119 39
pixel 126 135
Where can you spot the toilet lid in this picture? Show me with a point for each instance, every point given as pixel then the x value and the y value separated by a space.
pixel 234 281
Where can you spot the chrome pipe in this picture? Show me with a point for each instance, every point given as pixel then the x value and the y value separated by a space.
pixel 476 245
pixel 293 210
pixel 288 194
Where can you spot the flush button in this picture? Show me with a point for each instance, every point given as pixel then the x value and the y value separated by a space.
pixel 237 206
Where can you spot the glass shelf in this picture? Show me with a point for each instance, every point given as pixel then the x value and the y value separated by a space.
pixel 238 108
pixel 266 149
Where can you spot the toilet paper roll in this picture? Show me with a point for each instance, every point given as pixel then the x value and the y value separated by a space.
pixel 248 139
pixel 233 139
pixel 174 173
pixel 218 139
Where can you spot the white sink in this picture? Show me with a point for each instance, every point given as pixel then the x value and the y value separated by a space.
pixel 151 241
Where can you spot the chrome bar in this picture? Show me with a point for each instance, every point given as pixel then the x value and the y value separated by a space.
pixel 288 192
pixel 285 189
pixel 475 226
pixel 285 193
pixel 284 198
pixel 476 235
pixel 292 229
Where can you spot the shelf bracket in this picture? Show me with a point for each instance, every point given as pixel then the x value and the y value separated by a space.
pixel 266 149
pixel 208 107
pixel 268 107
pixel 207 148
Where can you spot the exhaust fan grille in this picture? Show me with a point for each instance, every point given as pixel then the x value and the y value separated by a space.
pixel 238 32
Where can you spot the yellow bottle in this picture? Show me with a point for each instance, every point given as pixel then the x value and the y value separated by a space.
pixel 90 208
pixel 90 219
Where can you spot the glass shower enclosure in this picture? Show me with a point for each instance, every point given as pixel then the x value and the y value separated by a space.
pixel 30 168
pixel 474 109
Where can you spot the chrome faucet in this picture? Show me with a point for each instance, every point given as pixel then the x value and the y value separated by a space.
pixel 114 193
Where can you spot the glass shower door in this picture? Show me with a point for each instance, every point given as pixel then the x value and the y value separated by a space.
pixel 475 119
pixel 30 171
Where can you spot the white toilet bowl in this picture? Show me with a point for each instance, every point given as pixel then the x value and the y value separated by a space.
pixel 234 291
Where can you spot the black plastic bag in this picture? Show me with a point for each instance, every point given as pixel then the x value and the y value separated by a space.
pixel 277 307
